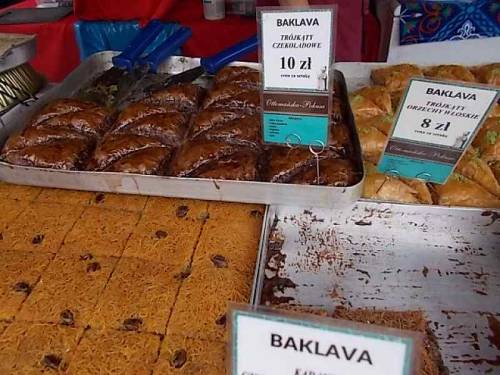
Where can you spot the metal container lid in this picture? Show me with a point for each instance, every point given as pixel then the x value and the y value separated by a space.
pixel 16 49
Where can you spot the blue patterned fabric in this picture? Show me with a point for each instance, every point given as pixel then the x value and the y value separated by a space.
pixel 435 21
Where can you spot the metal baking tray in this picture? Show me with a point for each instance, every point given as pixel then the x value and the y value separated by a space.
pixel 221 190
pixel 23 49
pixel 397 257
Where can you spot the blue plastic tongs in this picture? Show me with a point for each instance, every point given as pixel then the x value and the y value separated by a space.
pixel 138 66
pixel 210 65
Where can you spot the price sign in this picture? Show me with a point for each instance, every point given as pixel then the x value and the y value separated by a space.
pixel 268 342
pixel 435 124
pixel 296 55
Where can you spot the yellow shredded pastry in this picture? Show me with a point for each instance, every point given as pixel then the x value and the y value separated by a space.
pixel 139 296
pixel 182 355
pixel 202 302
pixel 166 209
pixel 168 241
pixel 19 273
pixel 64 196
pixel 119 201
pixel 21 192
pixel 236 211
pixel 10 209
pixel 68 290
pixel 237 242
pixel 31 348
pixel 101 232
pixel 115 353
pixel 41 227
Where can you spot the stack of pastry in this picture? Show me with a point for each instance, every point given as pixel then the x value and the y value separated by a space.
pixel 60 136
pixel 224 138
pixel 146 133
pixel 475 181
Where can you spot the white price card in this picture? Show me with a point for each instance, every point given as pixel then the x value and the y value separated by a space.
pixel 296 53
pixel 271 342
pixel 435 124
pixel 297 49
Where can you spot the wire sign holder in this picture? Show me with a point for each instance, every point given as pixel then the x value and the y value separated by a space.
pixel 296 53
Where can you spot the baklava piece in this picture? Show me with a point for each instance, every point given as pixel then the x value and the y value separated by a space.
pixel 244 131
pixel 488 74
pixel 371 101
pixel 169 128
pixel 208 119
pixel 117 146
pixel 472 166
pixel 450 72
pixel 185 97
pixel 285 163
pixel 237 74
pixel 395 78
pixel 462 191
pixel 60 107
pixel 61 136
pixel 206 158
pixel 386 188
pixel 372 140
pixel 233 96
pixel 68 154
pixel 332 172
pixel 487 140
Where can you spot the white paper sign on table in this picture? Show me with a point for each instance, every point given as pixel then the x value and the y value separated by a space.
pixel 266 343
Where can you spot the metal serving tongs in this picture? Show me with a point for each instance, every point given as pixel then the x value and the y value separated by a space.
pixel 148 65
pixel 114 81
pixel 103 88
pixel 208 65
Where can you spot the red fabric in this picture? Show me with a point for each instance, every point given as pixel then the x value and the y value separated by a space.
pixel 210 37
pixel 206 33
pixel 57 51
pixel 122 10
pixel 371 35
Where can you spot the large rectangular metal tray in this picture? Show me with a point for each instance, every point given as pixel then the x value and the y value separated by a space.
pixel 221 190
pixel 398 257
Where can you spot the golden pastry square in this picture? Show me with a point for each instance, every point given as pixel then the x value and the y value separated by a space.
pixel 201 306
pixel 182 355
pixel 127 202
pixel 41 227
pixel 235 243
pixel 138 297
pixel 68 290
pixel 182 210
pixel 65 196
pixel 115 352
pixel 19 273
pixel 35 348
pixel 3 326
pixel 164 241
pixel 21 192
pixel 100 231
pixel 236 211
pixel 10 209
